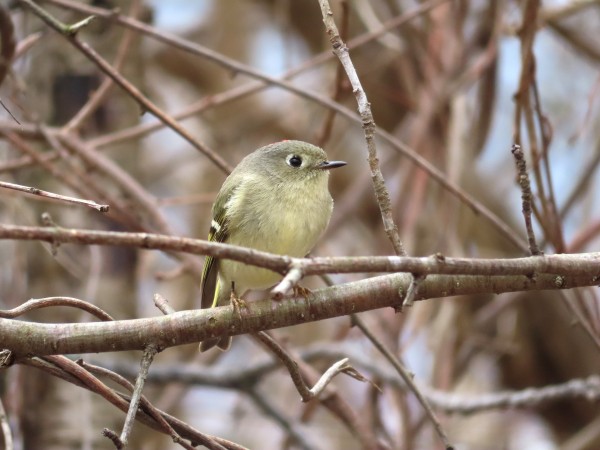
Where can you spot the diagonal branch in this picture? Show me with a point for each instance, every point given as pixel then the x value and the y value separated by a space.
pixel 62 198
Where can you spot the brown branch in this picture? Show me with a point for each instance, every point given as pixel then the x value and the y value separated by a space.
pixel 70 371
pixel 413 290
pixel 307 394
pixel 71 178
pixel 236 93
pixel 526 197
pixel 585 264
pixel 187 327
pixel 39 303
pixel 62 198
pixel 163 304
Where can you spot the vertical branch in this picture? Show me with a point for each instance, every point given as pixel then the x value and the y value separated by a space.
pixel 368 123
pixel 523 178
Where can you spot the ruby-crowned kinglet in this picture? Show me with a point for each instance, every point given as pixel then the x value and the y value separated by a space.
pixel 276 200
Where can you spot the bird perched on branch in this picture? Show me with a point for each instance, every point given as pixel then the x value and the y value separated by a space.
pixel 276 200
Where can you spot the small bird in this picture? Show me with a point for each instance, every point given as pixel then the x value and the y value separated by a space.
pixel 276 200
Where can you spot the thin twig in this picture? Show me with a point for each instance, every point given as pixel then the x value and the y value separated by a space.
pixel 149 352
pixel 114 437
pixel 413 290
pixel 526 197
pixel 333 401
pixel 46 302
pixel 368 123
pixel 67 177
pixel 305 392
pixel 291 279
pixel 63 198
pixel 559 264
pixel 407 377
pixel 586 388
pixel 163 304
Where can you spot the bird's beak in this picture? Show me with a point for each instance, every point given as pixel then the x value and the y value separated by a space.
pixel 327 165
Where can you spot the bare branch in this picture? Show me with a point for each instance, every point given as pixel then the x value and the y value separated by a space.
pixel 149 352
pixel 163 304
pixel 561 264
pixel 587 388
pixel 64 368
pixel 39 303
pixel 63 198
pixel 186 327
pixel 526 196
pixel 307 394
pixel 291 279
pixel 413 290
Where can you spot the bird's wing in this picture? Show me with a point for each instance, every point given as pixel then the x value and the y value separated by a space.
pixel 218 233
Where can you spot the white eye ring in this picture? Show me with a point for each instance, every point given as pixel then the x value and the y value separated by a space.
pixel 294 160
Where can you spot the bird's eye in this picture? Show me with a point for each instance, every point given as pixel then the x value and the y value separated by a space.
pixel 294 160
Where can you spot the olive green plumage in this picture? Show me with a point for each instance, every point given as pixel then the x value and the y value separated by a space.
pixel 276 200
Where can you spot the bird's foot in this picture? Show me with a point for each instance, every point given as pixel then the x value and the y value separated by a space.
pixel 301 291
pixel 237 304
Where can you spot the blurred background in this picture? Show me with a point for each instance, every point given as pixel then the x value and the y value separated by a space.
pixel 460 83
